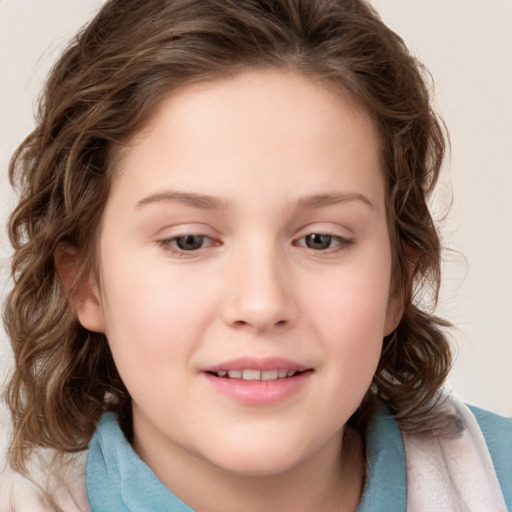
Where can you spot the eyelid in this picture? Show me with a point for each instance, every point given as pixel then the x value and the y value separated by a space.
pixel 168 241
pixel 343 242
pixel 179 237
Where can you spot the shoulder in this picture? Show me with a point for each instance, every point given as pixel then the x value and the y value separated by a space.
pixel 497 433
pixel 472 462
pixel 493 425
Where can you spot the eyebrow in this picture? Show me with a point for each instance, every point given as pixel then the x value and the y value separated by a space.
pixel 323 200
pixel 207 202
pixel 202 201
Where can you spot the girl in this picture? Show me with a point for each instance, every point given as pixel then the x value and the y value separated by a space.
pixel 222 232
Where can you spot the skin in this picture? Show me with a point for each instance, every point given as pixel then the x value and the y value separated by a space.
pixel 280 158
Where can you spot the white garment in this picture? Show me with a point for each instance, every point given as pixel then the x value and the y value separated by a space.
pixel 64 486
pixel 452 474
pixel 443 475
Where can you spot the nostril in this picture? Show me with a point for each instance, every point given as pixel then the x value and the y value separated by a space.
pixel 242 324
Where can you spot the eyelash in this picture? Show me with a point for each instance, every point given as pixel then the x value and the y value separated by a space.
pixel 169 244
pixel 341 243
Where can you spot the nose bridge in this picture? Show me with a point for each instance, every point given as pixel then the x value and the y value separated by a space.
pixel 260 289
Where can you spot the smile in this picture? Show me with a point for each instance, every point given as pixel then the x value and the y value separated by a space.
pixel 258 381
pixel 250 374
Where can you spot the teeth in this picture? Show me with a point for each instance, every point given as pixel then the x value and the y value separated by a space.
pixel 249 374
pixel 270 375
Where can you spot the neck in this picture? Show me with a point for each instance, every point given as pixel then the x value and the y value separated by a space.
pixel 331 480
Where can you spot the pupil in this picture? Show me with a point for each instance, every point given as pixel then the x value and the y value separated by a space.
pixel 189 242
pixel 318 241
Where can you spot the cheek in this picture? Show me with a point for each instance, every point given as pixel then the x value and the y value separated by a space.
pixel 352 301
pixel 351 316
pixel 153 319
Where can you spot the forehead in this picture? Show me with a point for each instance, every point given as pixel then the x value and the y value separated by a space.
pixel 265 125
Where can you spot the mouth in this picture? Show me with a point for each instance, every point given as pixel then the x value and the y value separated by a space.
pixel 252 374
pixel 255 381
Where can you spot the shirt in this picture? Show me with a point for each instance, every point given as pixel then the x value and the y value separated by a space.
pixel 118 480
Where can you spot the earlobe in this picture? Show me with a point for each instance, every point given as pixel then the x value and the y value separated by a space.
pixel 83 293
pixel 394 313
pixel 396 300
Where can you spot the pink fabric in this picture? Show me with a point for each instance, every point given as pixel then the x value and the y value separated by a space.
pixel 452 475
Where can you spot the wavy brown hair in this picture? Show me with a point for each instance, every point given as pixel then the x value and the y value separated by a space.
pixel 101 92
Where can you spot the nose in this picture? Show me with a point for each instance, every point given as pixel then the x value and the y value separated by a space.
pixel 260 292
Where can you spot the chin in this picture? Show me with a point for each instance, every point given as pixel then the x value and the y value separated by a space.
pixel 261 456
pixel 259 466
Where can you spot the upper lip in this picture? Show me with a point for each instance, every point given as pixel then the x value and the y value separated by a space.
pixel 258 363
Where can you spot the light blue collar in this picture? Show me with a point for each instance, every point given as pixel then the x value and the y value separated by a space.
pixel 386 480
pixel 118 480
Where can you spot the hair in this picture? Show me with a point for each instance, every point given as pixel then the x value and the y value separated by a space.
pixel 103 89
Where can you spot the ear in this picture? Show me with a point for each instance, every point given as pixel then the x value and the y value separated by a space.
pixel 83 291
pixel 394 311
pixel 396 304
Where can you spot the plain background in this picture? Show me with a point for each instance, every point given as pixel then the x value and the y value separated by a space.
pixel 467 45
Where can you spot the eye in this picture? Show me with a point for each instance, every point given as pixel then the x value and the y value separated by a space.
pixel 323 242
pixel 187 243
pixel 190 242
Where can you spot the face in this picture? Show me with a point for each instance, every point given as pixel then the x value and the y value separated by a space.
pixel 245 272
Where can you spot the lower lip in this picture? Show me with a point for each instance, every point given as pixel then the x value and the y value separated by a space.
pixel 259 392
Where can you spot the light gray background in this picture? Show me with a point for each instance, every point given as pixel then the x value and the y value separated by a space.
pixel 467 45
